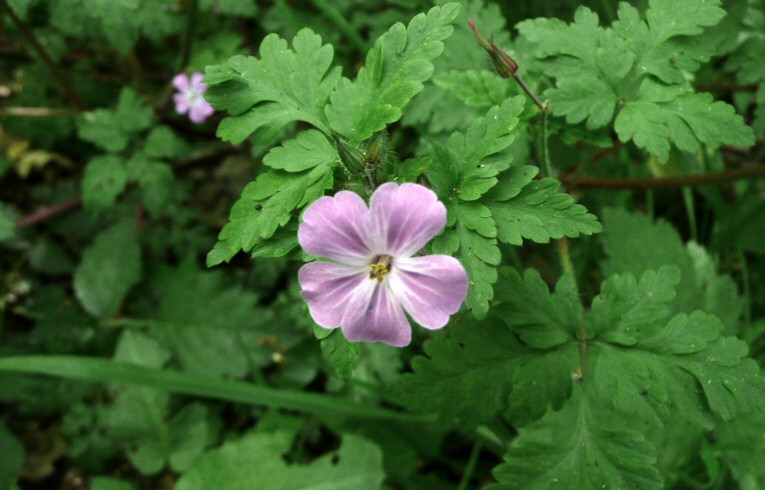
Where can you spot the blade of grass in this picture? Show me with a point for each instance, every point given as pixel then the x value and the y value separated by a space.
pixel 93 369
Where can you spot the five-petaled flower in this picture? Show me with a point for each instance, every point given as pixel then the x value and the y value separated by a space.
pixel 190 97
pixel 374 273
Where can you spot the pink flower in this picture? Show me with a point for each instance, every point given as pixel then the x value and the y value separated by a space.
pixel 374 276
pixel 190 97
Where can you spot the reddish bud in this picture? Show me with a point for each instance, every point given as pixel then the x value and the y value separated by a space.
pixel 503 63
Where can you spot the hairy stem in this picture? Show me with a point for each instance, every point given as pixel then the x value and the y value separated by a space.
pixel 40 50
pixel 544 147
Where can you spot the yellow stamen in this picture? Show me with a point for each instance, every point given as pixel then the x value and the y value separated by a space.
pixel 380 267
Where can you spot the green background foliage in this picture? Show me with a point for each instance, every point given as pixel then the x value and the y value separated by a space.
pixel 152 332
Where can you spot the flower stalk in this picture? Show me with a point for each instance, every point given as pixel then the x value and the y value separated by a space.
pixel 505 65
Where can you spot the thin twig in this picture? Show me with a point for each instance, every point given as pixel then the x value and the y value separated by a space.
pixel 54 210
pixel 48 212
pixel 678 181
pixel 57 74
pixel 38 112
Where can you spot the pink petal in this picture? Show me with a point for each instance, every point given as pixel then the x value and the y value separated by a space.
pixel 336 228
pixel 181 82
pixel 405 218
pixel 328 288
pixel 196 82
pixel 200 111
pixel 374 315
pixel 181 103
pixel 430 288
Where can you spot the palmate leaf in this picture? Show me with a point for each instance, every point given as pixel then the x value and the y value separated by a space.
pixel 265 206
pixel 283 85
pixel 472 240
pixel 535 210
pixel 525 352
pixel 576 448
pixel 394 72
pixel 666 370
pixel 309 149
pixel 110 266
pixel 700 287
pixel 636 70
pixel 452 381
pixel 464 169
pixel 210 325
pixel 661 115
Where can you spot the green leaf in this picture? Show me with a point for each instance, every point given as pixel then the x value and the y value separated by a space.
pixel 113 130
pixel 393 73
pixel 138 415
pixel 700 288
pixel 584 98
pixel 577 448
pixel 100 127
pixel 666 371
pixel 308 150
pixel 471 240
pixel 132 115
pixel 107 483
pixel 638 68
pixel 256 461
pixel 211 326
pixel 283 85
pixel 624 306
pixel 452 381
pixel 543 381
pixel 105 179
pixel 11 458
pixel 155 178
pixel 540 319
pixel 110 266
pixel 94 369
pixel 535 210
pixel 342 355
pixel 688 120
pixel 162 142
pixel 266 205
pixel 466 165
pixel 7 225
pixel 480 89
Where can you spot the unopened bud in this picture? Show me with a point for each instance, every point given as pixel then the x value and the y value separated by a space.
pixel 503 63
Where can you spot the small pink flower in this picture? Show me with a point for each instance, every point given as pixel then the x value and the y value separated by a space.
pixel 374 273
pixel 190 97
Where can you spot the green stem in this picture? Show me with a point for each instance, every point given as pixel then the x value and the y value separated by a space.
pixel 188 39
pixel 331 13
pixel 44 56
pixel 544 148
pixel 95 369
pixel 530 93
pixel 746 284
pixel 470 467
pixel 690 209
